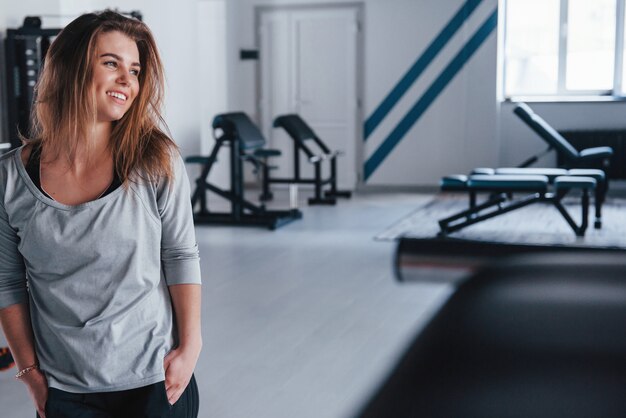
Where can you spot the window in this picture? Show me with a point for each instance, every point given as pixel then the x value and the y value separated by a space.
pixel 564 48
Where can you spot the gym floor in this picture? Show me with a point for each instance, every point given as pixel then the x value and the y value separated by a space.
pixel 303 321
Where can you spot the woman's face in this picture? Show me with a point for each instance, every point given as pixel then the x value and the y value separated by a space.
pixel 115 75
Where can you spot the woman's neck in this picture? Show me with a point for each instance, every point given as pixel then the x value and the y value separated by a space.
pixel 90 152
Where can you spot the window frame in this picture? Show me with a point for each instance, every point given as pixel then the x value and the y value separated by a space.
pixel 562 93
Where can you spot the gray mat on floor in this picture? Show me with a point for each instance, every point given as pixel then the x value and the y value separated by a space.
pixel 538 223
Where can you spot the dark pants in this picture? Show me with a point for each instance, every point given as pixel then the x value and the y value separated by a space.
pixel 144 402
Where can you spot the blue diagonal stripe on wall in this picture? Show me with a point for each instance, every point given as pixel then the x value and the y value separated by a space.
pixel 419 66
pixel 431 94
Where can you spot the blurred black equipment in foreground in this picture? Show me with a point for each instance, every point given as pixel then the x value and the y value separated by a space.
pixel 531 331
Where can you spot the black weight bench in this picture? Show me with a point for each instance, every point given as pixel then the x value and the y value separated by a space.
pixel 501 189
pixel 246 143
pixel 304 138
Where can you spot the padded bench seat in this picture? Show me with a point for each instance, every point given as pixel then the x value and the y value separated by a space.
pixel 508 183
pixel 551 173
pixel 511 183
pixel 495 183
pixel 574 182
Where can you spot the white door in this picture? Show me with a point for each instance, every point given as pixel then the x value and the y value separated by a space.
pixel 309 66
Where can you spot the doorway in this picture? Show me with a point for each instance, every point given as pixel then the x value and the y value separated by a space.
pixel 310 65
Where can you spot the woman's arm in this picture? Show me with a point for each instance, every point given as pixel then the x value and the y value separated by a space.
pixel 15 320
pixel 180 362
pixel 180 262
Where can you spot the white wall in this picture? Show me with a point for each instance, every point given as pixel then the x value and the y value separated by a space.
pixel 459 129
pixel 13 12
pixel 212 54
pixel 457 132
pixel 465 127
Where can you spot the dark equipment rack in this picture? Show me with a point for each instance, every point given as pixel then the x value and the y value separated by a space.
pixel 25 49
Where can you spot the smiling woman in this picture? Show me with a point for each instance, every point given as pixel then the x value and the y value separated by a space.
pixel 99 268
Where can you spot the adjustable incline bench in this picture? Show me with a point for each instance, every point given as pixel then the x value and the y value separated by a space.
pixel 596 157
pixel 576 172
pixel 303 137
pixel 501 186
pixel 246 144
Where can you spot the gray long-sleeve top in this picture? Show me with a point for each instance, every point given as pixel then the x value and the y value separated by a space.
pixel 97 276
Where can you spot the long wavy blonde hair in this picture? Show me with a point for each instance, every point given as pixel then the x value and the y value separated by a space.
pixel 65 107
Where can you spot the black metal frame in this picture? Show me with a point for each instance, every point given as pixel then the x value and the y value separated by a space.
pixel 243 212
pixel 300 132
pixel 503 204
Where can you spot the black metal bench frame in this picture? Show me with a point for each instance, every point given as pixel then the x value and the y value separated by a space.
pixel 501 202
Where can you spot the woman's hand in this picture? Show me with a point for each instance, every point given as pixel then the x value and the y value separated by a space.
pixel 15 322
pixel 179 365
pixel 38 389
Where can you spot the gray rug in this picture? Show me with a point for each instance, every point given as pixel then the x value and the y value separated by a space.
pixel 538 223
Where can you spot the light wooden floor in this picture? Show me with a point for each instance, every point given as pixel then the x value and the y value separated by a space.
pixel 300 322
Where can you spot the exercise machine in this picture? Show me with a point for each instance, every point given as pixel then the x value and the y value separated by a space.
pixel 304 141
pixel 236 131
